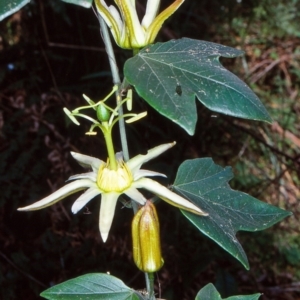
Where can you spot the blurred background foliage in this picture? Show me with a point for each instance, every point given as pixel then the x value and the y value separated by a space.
pixel 50 53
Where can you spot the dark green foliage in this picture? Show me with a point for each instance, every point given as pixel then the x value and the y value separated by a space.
pixel 92 287
pixel 52 245
pixel 206 184
pixel 209 292
pixel 158 71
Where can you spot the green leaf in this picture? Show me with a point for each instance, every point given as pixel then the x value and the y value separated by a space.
pixel 209 292
pixel 84 3
pixel 169 75
pixel 8 7
pixel 206 185
pixel 92 287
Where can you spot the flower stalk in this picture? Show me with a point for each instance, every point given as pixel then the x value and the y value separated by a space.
pixel 109 146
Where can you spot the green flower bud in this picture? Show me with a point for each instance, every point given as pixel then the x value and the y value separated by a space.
pixel 146 239
pixel 103 113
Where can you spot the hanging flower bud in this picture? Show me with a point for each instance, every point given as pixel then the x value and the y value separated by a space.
pixel 146 239
pixel 103 113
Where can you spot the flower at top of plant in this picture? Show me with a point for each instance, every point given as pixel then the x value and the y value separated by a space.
pixel 110 183
pixel 126 28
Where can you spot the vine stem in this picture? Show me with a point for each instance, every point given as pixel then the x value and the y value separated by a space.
pixel 149 277
pixel 116 81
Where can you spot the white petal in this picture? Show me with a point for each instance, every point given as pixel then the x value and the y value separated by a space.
pixel 107 212
pixel 87 161
pixel 135 195
pixel 90 175
pixel 86 197
pixel 115 14
pixel 168 196
pixel 136 162
pixel 133 26
pixel 151 12
pixel 111 17
pixel 132 2
pixel 145 173
pixel 62 193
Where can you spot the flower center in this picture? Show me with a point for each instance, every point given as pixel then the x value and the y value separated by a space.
pixel 114 180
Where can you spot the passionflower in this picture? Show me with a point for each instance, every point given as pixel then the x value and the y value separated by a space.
pixel 126 28
pixel 127 178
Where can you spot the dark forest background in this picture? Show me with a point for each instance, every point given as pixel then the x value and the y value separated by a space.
pixel 50 54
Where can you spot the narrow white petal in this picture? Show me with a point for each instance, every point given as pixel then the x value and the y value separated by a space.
pixel 136 162
pixel 90 175
pixel 135 195
pixel 145 173
pixel 87 161
pixel 132 28
pixel 107 212
pixel 111 18
pixel 168 196
pixel 62 193
pixel 151 12
pixel 115 14
pixel 86 197
pixel 132 2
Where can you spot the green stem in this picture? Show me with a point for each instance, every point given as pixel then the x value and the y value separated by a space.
pixel 117 81
pixel 149 277
pixel 135 51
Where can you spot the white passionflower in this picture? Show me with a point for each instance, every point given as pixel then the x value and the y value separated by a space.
pixel 126 28
pixel 110 184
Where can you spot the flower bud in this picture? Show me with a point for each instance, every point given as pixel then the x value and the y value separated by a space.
pixel 103 113
pixel 146 239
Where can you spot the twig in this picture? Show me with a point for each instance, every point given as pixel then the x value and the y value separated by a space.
pixel 62 45
pixel 21 271
pixel 294 159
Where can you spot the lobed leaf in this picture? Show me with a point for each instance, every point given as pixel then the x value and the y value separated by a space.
pixel 206 185
pixel 169 76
